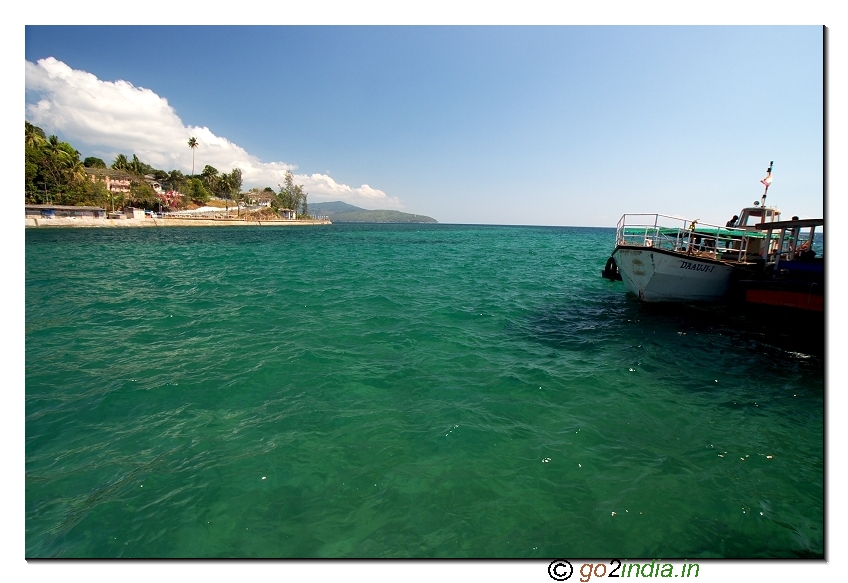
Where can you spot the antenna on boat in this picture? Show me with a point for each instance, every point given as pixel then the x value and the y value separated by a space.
pixel 767 182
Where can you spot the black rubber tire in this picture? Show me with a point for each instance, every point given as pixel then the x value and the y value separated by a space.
pixel 611 269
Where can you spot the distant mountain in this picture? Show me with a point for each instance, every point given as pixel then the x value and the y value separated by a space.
pixel 341 212
pixel 325 208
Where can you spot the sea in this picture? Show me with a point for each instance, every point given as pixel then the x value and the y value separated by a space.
pixel 402 391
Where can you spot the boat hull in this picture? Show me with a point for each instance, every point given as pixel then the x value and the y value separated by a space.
pixel 799 286
pixel 658 275
pixel 807 300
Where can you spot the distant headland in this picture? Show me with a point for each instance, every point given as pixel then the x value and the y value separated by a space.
pixel 342 212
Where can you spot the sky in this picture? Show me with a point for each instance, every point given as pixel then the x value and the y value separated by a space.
pixel 526 125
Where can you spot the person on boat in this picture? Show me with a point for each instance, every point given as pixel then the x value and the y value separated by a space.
pixel 695 244
pixel 803 251
pixel 793 235
pixel 732 222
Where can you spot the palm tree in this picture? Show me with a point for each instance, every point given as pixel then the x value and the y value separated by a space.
pixel 224 188
pixel 57 160
pixel 210 178
pixel 33 137
pixel 135 166
pixel 120 163
pixel 76 171
pixel 235 187
pixel 192 143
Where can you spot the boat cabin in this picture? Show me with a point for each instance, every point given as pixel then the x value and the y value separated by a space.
pixel 751 216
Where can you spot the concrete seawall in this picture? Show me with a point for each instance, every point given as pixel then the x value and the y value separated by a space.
pixel 169 222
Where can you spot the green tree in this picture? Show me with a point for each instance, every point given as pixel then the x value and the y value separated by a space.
pixel 59 167
pixel 120 162
pixel 143 195
pixel 92 162
pixel 56 174
pixel 53 171
pixel 209 171
pixel 176 180
pixel 92 193
pixel 35 136
pixel 235 181
pixel 196 192
pixel 210 178
pixel 192 143
pixel 75 171
pixel 292 196
pixel 31 176
pixel 38 183
pixel 136 166
pixel 224 189
pixel 304 208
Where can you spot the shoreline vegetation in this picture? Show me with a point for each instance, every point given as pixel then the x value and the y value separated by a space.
pixel 56 176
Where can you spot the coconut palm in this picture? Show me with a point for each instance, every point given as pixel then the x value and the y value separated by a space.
pixel 136 166
pixel 34 136
pixel 224 189
pixel 120 163
pixel 57 160
pixel 192 143
pixel 76 171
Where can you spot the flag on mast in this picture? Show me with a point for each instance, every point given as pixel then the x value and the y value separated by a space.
pixel 767 180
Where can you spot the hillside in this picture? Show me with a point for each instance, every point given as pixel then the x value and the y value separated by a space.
pixel 341 212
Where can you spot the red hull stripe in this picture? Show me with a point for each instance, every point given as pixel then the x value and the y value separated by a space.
pixel 787 299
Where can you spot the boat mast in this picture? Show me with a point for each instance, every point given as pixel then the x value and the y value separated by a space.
pixel 767 182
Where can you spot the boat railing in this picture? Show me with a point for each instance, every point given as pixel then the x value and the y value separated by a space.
pixel 684 236
pixel 791 241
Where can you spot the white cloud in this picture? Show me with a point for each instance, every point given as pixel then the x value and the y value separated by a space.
pixel 332 190
pixel 120 117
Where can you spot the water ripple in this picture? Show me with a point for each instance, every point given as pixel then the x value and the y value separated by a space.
pixel 400 391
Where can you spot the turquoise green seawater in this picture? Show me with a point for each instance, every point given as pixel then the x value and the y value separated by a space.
pixel 400 391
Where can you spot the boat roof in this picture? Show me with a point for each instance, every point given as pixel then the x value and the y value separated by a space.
pixel 800 223
pixel 774 209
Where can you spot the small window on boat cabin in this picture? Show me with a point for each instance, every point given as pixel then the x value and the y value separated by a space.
pixel 751 217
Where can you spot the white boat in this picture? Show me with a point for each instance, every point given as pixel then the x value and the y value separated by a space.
pixel 661 258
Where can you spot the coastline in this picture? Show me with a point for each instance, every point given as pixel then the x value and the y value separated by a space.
pixel 169 222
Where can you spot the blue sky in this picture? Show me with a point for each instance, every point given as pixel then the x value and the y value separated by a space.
pixel 546 125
